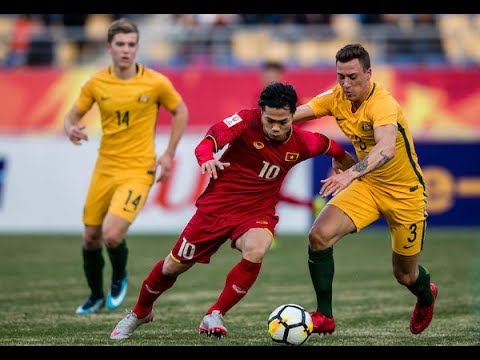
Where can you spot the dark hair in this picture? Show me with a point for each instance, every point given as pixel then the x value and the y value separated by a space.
pixel 278 95
pixel 354 51
pixel 272 65
pixel 122 26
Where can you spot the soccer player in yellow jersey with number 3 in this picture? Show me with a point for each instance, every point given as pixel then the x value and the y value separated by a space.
pixel 128 96
pixel 387 181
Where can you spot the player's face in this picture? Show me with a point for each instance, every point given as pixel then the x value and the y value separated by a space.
pixel 355 82
pixel 123 50
pixel 277 123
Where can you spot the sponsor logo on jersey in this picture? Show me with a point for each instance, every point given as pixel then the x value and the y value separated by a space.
pixel 263 222
pixel 258 144
pixel 232 120
pixel 291 156
pixel 144 98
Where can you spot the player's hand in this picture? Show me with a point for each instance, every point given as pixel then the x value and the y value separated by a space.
pixel 76 134
pixel 210 167
pixel 335 183
pixel 164 161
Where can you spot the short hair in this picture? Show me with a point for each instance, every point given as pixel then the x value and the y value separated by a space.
pixel 122 26
pixel 278 95
pixel 354 51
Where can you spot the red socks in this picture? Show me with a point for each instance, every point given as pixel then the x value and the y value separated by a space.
pixel 153 286
pixel 239 280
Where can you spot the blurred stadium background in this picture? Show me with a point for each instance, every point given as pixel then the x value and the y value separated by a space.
pixel 431 63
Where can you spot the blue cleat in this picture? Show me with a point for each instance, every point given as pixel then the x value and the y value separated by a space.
pixel 117 294
pixel 92 305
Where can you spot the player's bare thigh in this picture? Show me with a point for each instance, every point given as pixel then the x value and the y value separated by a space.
pixel 254 244
pixel 329 227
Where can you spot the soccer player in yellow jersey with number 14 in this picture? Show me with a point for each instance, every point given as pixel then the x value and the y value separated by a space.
pixel 128 96
pixel 387 181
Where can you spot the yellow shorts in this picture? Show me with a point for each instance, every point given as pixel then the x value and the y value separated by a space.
pixel 406 216
pixel 121 194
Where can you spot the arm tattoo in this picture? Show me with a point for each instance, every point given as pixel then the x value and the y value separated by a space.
pixel 362 165
pixel 384 159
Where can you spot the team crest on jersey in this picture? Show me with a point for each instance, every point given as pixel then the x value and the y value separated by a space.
pixel 258 145
pixel 232 120
pixel 144 98
pixel 367 126
pixel 291 156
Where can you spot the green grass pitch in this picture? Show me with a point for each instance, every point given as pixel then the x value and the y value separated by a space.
pixel 42 283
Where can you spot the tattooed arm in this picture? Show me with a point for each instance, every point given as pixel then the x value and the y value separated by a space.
pixel 381 153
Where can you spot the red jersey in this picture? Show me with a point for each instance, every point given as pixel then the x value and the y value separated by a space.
pixel 258 165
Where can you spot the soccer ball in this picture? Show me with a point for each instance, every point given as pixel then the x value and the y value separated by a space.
pixel 290 324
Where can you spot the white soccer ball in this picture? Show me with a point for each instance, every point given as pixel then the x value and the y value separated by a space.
pixel 290 324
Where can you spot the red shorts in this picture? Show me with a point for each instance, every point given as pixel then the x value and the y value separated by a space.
pixel 204 234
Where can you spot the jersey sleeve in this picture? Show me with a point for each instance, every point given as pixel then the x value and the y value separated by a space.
pixel 318 144
pixel 231 128
pixel 168 96
pixel 322 103
pixel 86 99
pixel 384 112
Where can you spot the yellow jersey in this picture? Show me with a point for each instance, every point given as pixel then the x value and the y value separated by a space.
pixel 129 112
pixel 402 174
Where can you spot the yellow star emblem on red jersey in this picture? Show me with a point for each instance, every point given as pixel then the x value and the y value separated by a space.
pixel 291 156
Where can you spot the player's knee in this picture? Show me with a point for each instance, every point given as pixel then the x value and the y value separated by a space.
pixel 254 255
pixel 92 241
pixel 405 278
pixel 319 238
pixel 112 238
pixel 172 268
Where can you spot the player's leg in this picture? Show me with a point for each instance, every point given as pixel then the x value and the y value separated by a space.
pixel 161 278
pixel 347 212
pixel 127 201
pixel 197 243
pixel 114 230
pixel 253 244
pixel 407 244
pixel 96 205
pixel 93 263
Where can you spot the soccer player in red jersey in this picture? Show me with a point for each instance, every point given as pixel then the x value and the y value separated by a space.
pixel 238 203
